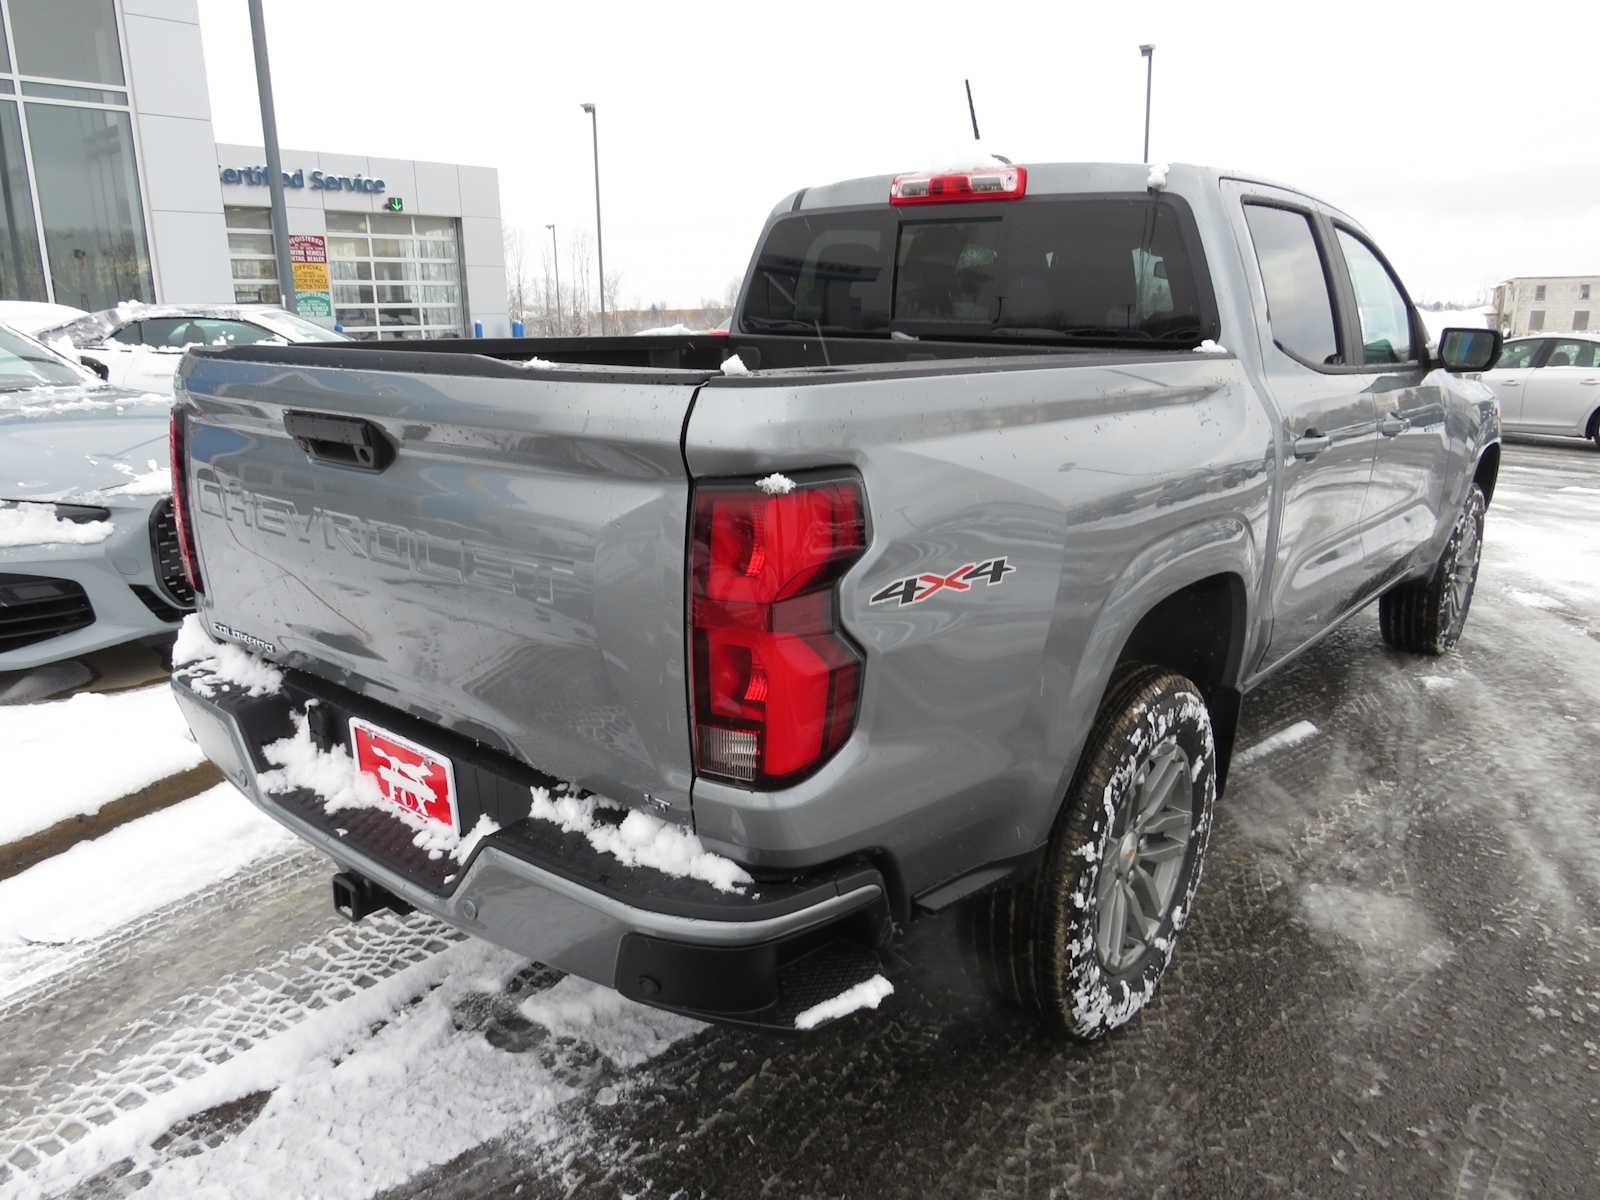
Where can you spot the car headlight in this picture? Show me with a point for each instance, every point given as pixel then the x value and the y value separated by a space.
pixel 78 514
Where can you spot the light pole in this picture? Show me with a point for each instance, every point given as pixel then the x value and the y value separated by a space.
pixel 269 135
pixel 1148 50
pixel 555 258
pixel 599 234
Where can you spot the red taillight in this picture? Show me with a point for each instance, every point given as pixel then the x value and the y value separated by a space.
pixel 776 680
pixel 176 448
pixel 999 182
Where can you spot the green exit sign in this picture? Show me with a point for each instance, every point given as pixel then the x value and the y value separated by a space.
pixel 395 204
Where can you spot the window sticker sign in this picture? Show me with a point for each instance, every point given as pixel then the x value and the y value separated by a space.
pixel 308 259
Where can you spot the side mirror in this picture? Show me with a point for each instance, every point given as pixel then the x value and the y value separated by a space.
pixel 1470 349
pixel 98 367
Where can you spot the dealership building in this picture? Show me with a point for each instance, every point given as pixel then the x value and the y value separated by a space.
pixel 113 188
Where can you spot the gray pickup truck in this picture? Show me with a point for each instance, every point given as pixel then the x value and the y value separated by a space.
pixel 699 677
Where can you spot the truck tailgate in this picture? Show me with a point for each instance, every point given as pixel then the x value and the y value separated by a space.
pixel 514 574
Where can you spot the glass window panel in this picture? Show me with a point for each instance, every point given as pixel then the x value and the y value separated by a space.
pixel 443 272
pixel 441 293
pixel 391 247
pixel 346 222
pixel 56 91
pixel 213 331
pixel 6 85
pixel 89 194
pixel 391 223
pixel 394 270
pixel 1299 304
pixel 1385 316
pixel 350 269
pixel 21 269
pixel 437 249
pixel 250 243
pixel 352 293
pixel 67 39
pixel 355 316
pixel 255 268
pixel 247 218
pixel 5 56
pixel 392 293
pixel 435 227
pixel 247 293
pixel 408 318
pixel 347 247
pixel 450 317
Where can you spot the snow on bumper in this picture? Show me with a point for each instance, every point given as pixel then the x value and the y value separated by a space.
pixel 549 893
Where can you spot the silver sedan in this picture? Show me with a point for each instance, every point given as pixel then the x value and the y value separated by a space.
pixel 1550 384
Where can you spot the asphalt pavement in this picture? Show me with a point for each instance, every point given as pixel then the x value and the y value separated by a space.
pixel 1390 986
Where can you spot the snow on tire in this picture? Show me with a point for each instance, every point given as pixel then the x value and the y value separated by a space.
pixel 1084 942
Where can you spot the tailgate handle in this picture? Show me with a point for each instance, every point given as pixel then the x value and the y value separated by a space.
pixel 340 441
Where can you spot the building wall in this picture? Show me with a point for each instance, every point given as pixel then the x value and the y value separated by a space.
pixel 1563 307
pixel 467 194
pixel 172 128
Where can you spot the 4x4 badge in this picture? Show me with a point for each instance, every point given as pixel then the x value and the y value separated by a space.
pixel 914 589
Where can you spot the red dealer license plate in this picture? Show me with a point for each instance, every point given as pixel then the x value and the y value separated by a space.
pixel 410 776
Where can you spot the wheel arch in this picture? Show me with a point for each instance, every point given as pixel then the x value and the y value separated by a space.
pixel 1488 469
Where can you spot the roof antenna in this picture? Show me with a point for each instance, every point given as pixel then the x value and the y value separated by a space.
pixel 972 111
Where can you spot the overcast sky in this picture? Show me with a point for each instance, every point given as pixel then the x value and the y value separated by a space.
pixel 1468 145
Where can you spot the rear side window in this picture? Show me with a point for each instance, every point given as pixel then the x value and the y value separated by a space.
pixel 1572 354
pixel 1299 303
pixel 1109 270
pixel 1381 306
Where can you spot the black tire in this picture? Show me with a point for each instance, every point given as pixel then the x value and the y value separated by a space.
pixel 1426 616
pixel 1040 941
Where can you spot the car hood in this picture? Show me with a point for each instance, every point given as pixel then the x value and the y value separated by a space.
pixel 64 443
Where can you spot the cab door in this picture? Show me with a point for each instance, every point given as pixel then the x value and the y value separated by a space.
pixel 1404 505
pixel 1327 418
pixel 1565 391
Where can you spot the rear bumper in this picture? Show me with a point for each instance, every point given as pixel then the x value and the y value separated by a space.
pixel 755 958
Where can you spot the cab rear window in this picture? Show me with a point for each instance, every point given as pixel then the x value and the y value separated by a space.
pixel 1097 270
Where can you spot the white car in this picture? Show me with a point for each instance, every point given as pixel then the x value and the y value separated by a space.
pixel 1550 383
pixel 140 345
pixel 31 316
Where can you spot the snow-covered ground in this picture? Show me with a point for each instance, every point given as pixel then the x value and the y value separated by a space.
pixel 70 757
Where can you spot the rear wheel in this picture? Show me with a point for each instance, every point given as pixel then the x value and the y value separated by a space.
pixel 1426 616
pixel 1083 943
pixel 1594 429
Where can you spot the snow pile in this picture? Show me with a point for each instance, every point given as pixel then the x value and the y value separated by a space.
pixel 332 775
pixel 135 869
pixel 1210 347
pixel 678 330
pixel 63 346
pixel 640 840
pixel 204 663
pixel 157 481
pixel 1157 179
pixel 537 364
pixel 37 525
pixel 609 1021
pixel 71 757
pixel 89 397
pixel 1291 735
pixel 869 994
pixel 485 826
pixel 776 484
pixel 734 365
pixel 1452 318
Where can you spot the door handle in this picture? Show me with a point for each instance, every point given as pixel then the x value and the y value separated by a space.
pixel 1393 424
pixel 1510 383
pixel 1590 382
pixel 1311 443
